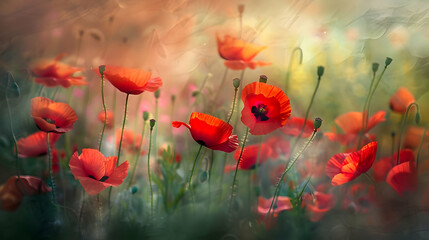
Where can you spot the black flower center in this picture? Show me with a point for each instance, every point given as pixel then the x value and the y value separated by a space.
pixel 49 120
pixel 260 112
pixel 201 142
pixel 104 178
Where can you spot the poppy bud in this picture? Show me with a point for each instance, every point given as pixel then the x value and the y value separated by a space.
pixel 375 67
pixel 101 69
pixel 152 123
pixel 203 176
pixel 240 8
pixel 263 79
pixel 157 93
pixel 134 189
pixel 320 71
pixel 173 98
pixel 195 93
pixel 145 115
pixel 317 123
pixel 418 118
pixel 236 82
pixel 388 61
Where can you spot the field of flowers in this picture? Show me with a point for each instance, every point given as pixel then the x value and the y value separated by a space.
pixel 203 119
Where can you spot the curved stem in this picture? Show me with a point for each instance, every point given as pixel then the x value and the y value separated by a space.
pixel 236 166
pixel 420 147
pixel 138 155
pixel 401 131
pixel 148 172
pixel 123 126
pixel 105 112
pixel 193 166
pixel 365 111
pixel 287 169
pixel 299 50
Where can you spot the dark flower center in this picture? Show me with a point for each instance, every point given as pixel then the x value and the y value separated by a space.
pixel 104 178
pixel 49 120
pixel 201 142
pixel 260 112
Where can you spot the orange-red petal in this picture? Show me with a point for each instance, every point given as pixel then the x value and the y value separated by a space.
pixel 35 144
pixel 400 100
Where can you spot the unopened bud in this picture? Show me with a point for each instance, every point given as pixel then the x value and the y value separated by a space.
pixel 173 98
pixel 317 123
pixel 388 61
pixel 134 189
pixel 236 82
pixel 375 67
pixel 101 69
pixel 240 8
pixel 263 79
pixel 152 123
pixel 157 93
pixel 195 93
pixel 145 115
pixel 320 71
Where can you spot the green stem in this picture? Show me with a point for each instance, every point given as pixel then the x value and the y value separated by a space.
pixel 138 155
pixel 221 85
pixel 370 178
pixel 233 105
pixel 123 126
pixel 420 147
pixel 193 166
pixel 401 132
pixel 51 177
pixel 105 112
pixel 305 119
pixel 365 111
pixel 236 167
pixel 148 172
pixel 287 169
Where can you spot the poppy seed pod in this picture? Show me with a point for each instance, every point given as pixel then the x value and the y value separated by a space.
pixel 388 61
pixel 152 123
pixel 320 71
pixel 145 115
pixel 375 67
pixel 317 123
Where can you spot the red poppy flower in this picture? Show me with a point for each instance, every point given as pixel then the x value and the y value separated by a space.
pixel 400 100
pixel 109 120
pixel 51 116
pixel 12 192
pixel 131 81
pixel 96 172
pixel 35 144
pixel 383 166
pixel 359 198
pixel 52 73
pixel 211 132
pixel 294 126
pixel 344 167
pixel 318 206
pixel 351 122
pixel 266 108
pixel 283 204
pixel 239 53
pixel 403 177
pixel 250 155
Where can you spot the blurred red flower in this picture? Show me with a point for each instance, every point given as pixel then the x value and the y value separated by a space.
pixel 400 100
pixel 359 198
pixel 318 204
pixel 52 73
pixel 109 121
pixel 131 81
pixel 51 116
pixel 294 125
pixel 403 177
pixel 351 122
pixel 239 53
pixel 210 132
pixel 250 154
pixel 96 172
pixel 35 144
pixel 266 108
pixel 12 192
pixel 344 167
pixel 130 141
pixel 383 166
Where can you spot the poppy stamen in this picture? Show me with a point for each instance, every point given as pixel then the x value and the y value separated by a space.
pixel 260 111
pixel 201 142
pixel 49 120
pixel 104 178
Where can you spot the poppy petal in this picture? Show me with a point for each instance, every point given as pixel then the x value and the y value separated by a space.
pixel 153 84
pixel 178 124
pixel 229 146
pixel 109 165
pixel 210 130
pixel 118 175
pixel 92 186
pixel 401 100
pixel 93 163
pixel 403 177
pixel 335 164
